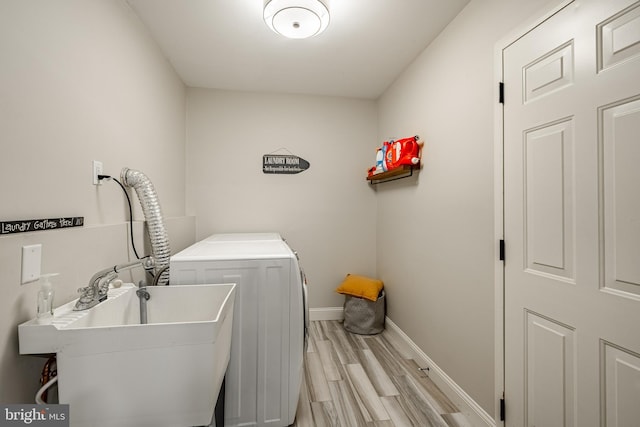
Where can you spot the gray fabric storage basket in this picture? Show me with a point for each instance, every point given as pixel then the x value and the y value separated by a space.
pixel 364 317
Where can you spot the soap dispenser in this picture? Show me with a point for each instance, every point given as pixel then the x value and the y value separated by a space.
pixel 45 299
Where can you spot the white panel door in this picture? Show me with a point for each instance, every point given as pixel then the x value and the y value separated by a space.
pixel 572 219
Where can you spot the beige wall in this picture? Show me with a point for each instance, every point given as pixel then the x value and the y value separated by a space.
pixel 80 80
pixel 326 213
pixel 435 236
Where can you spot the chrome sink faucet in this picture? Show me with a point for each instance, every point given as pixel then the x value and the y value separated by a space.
pixel 96 291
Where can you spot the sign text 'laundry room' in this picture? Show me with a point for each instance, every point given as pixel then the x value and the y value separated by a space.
pixel 283 164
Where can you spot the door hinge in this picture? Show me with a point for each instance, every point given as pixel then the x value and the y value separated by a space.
pixel 501 409
pixel 501 93
pixel 501 250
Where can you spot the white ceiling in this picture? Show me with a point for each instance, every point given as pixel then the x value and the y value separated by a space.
pixel 225 44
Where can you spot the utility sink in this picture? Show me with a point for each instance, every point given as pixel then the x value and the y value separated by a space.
pixel 113 371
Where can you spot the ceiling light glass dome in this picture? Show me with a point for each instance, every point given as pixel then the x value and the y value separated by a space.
pixel 296 19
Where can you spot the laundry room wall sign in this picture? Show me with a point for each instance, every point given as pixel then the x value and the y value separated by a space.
pixel 283 164
pixel 23 226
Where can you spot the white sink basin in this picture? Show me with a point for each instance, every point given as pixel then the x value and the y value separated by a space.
pixel 113 371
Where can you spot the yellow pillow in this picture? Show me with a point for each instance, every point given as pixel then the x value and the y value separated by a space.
pixel 360 286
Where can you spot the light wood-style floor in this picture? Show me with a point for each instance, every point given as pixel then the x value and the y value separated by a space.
pixel 358 380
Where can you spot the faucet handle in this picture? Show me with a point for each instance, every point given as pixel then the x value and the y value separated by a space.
pixel 87 299
pixel 103 285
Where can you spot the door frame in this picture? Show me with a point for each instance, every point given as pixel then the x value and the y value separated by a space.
pixel 548 10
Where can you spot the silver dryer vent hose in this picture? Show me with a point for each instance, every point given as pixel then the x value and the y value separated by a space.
pixel 153 215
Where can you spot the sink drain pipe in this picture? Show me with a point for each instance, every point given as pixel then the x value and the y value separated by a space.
pixel 148 198
pixel 144 295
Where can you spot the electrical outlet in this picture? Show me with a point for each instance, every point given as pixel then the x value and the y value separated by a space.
pixel 97 170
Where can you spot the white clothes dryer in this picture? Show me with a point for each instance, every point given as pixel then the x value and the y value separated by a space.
pixel 270 321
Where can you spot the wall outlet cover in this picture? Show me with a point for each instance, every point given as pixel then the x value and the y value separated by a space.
pixel 31 263
pixel 96 170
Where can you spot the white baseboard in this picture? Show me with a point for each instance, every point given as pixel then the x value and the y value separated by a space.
pixel 326 313
pixel 476 416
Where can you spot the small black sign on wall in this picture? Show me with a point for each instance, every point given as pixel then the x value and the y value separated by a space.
pixel 283 164
pixel 26 225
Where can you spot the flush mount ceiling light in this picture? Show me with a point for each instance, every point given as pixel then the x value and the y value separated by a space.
pixel 296 19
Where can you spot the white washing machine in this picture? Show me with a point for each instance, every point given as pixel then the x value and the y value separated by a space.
pixel 270 321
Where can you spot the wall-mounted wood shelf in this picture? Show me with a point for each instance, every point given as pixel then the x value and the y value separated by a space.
pixel 404 171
